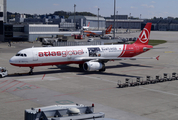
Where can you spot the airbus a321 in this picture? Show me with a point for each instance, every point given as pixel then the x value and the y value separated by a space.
pixel 89 58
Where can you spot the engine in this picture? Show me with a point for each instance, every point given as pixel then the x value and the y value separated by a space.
pixel 93 66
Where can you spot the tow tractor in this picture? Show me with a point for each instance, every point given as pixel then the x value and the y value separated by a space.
pixel 3 72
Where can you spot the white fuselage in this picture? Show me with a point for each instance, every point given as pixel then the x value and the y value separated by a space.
pixel 41 56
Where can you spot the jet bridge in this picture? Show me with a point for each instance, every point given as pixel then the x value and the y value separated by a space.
pixel 63 112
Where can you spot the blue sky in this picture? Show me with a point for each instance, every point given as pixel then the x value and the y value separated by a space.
pixel 147 8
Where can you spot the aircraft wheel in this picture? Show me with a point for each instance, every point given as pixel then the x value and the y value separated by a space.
pixel 81 66
pixel 102 70
pixel 30 73
pixel 0 76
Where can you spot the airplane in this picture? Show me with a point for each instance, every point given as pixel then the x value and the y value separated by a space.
pixel 97 33
pixel 86 27
pixel 89 58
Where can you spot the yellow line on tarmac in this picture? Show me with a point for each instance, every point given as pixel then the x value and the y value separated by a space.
pixel 168 52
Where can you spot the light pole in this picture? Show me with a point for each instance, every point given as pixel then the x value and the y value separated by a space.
pixel 74 16
pixel 114 17
pixel 129 23
pixel 98 18
pixel 117 22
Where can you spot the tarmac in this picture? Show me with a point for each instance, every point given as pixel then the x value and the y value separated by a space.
pixel 66 84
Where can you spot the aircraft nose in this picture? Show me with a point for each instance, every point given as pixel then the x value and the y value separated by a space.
pixel 12 60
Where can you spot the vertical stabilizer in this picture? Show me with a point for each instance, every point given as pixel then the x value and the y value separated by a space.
pixel 88 24
pixel 108 30
pixel 144 35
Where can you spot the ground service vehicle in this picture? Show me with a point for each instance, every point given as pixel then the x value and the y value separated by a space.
pixel 3 72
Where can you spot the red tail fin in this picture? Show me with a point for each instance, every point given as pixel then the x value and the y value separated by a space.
pixel 108 30
pixel 88 24
pixel 144 35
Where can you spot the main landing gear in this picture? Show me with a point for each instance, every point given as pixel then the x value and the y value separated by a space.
pixel 31 71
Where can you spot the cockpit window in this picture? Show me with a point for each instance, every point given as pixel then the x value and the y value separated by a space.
pixel 21 54
pixel 17 54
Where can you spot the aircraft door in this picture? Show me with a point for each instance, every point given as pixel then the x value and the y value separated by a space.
pixel 137 50
pixel 35 56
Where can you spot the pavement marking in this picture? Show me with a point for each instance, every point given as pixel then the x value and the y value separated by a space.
pixel 12 86
pixel 15 85
pixel 8 84
pixel 100 79
pixel 159 91
pixel 20 86
pixel 168 52
pixel 43 76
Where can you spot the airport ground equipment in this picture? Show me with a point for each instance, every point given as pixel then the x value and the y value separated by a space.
pixel 174 77
pixel 138 80
pixel 3 72
pixel 126 84
pixel 149 80
pixel 142 82
pixel 134 83
pixel 63 112
pixel 120 85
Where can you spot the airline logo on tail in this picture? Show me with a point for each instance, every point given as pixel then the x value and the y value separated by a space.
pixel 144 36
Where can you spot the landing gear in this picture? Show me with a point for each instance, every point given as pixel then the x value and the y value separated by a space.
pixel 81 66
pixel 31 71
pixel 103 68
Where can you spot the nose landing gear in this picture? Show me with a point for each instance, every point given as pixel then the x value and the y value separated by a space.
pixel 31 71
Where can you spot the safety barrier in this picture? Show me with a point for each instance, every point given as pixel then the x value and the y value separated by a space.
pixel 149 80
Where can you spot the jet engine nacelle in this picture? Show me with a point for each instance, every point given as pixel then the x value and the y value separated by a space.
pixel 92 66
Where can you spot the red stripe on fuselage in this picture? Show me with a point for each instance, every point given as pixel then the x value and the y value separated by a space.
pixel 47 64
pixel 123 51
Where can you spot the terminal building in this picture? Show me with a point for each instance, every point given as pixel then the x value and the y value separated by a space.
pixel 122 22
pixel 29 29
pixel 163 24
pixel 33 31
pixel 3 18
pixel 84 20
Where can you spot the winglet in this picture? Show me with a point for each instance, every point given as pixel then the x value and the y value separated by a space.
pixel 157 57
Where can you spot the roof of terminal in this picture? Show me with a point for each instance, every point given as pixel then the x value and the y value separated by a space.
pixel 86 17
